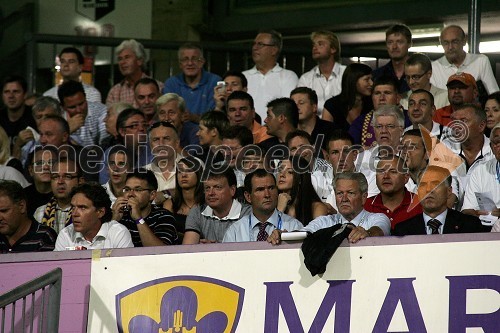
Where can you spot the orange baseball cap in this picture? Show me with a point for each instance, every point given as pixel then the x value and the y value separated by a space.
pixel 465 78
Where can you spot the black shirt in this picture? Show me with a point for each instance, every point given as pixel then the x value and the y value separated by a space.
pixel 38 238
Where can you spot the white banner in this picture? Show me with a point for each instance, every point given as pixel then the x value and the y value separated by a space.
pixel 435 287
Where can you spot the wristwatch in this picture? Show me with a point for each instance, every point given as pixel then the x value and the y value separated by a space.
pixel 140 221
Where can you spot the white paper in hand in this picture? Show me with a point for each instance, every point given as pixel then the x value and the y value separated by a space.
pixel 292 236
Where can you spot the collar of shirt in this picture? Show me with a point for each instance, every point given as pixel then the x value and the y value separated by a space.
pixel 102 233
pixel 335 71
pixel 357 221
pixel 203 80
pixel 441 218
pixel 234 212
pixel 484 154
pixel 273 219
pixel 407 200
pixel 276 69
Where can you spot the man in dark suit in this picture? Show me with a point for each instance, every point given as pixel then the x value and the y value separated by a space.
pixel 434 189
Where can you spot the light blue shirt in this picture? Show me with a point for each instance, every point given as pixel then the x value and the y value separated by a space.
pixel 363 219
pixel 246 228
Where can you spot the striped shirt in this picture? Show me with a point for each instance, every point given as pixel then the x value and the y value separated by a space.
pixel 160 221
pixel 123 91
pixel 93 131
pixel 38 238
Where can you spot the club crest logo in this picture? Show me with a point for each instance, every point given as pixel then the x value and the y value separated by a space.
pixel 95 9
pixel 180 304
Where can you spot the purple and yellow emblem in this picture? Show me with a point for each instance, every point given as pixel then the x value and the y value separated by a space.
pixel 180 304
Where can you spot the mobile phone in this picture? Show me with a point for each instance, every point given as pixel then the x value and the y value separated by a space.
pixel 221 86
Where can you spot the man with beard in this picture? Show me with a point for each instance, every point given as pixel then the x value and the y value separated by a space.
pixel 326 77
pixel 455 61
pixel 462 89
pixel 398 40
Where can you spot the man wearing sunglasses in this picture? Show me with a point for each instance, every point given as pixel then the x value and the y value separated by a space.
pixel 149 225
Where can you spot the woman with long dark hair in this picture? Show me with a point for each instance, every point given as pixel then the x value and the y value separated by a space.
pixel 297 196
pixel 188 191
pixel 355 98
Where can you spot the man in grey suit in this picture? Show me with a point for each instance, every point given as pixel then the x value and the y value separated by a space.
pixel 434 189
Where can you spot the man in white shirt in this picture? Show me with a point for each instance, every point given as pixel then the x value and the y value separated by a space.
pixel 351 192
pixel 262 193
pixel 484 181
pixel 267 80
pixel 326 77
pixel 71 60
pixel 456 60
pixel 92 227
pixel 418 73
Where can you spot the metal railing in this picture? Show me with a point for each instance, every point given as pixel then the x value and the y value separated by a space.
pixel 47 307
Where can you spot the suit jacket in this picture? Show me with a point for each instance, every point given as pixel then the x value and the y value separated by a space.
pixel 456 222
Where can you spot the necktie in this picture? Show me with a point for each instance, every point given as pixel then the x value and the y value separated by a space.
pixel 262 235
pixel 434 225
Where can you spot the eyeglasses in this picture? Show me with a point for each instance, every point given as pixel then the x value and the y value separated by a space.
pixel 42 163
pixel 414 77
pixel 260 45
pixel 136 189
pixel 389 127
pixel 161 123
pixel 137 125
pixel 64 177
pixel 188 60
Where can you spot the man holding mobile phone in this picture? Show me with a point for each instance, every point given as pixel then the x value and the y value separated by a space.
pixel 232 81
